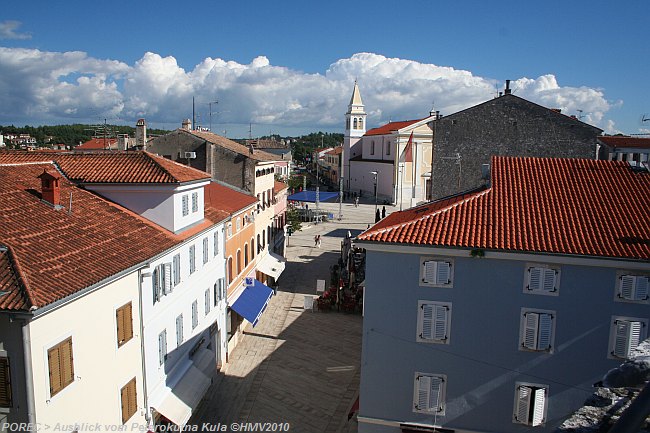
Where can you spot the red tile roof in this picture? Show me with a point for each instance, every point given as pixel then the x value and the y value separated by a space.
pixel 13 291
pixel 279 186
pixel 218 196
pixel 541 205
pixel 622 141
pixel 390 127
pixel 114 167
pixel 98 144
pixel 337 150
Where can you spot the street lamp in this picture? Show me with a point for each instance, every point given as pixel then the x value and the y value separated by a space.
pixel 374 173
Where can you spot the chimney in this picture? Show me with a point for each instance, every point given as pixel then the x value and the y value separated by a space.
pixel 141 134
pixel 50 188
pixel 507 90
pixel 187 125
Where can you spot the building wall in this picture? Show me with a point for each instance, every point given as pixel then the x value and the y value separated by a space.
pixel 11 346
pixel 162 314
pixel 482 359
pixel 101 368
pixel 507 125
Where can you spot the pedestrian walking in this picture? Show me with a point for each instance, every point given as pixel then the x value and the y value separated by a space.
pixel 377 216
pixel 318 241
pixel 356 201
pixel 383 212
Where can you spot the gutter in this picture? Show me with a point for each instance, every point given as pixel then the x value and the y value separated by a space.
pixel 142 353
pixel 29 377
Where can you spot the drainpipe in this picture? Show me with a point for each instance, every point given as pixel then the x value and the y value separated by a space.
pixel 29 376
pixel 144 366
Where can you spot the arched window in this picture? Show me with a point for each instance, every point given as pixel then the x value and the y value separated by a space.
pixel 252 248
pixel 229 270
pixel 347 124
pixel 259 244
pixel 238 262
pixel 372 147
pixel 246 255
pixel 360 122
pixel 355 123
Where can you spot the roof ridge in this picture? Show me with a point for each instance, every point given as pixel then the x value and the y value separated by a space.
pixel 23 282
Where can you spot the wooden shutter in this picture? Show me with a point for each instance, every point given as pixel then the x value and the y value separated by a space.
pixel 67 364
pixel 429 274
pixel 5 382
pixel 531 323
pixel 426 331
pixel 119 319
pixel 128 395
pixel 61 366
pixel 522 411
pixel 549 280
pixel 539 401
pixel 443 274
pixel 423 392
pixel 124 319
pixel 54 366
pixel 627 336
pixel 545 331
pixel 440 322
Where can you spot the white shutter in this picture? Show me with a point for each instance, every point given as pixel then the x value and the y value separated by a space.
pixel 440 322
pixel 435 403
pixel 205 250
pixel 156 285
pixel 167 278
pixel 641 289
pixel 635 335
pixel 549 280
pixel 423 393
pixel 531 322
pixel 545 331
pixel 195 314
pixel 177 269
pixel 430 271
pixel 426 320
pixel 162 346
pixel 539 401
pixel 534 279
pixel 207 301
pixel 443 273
pixel 179 330
pixel 627 286
pixel 216 243
pixel 524 395
pixel 627 336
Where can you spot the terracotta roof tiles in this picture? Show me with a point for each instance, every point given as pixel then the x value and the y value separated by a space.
pixel 391 126
pixel 541 205
pixel 623 141
pixel 211 137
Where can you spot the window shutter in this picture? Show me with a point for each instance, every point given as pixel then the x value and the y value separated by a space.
pixel 5 382
pixel 156 285
pixel 534 278
pixel 186 209
pixel 207 301
pixel 524 394
pixel 179 330
pixel 641 290
pixel 195 202
pixel 427 321
pixel 124 399
pixel 443 273
pixel 167 278
pixel 192 259
pixel 424 392
pixel 67 370
pixel 54 365
pixel 531 322
pixel 549 280
pixel 215 294
pixel 195 314
pixel 133 398
pixel 539 398
pixel 434 394
pixel 627 286
pixel 545 331
pixel 205 250
pixel 128 322
pixel 120 326
pixel 129 400
pixel 430 268
pixel 440 323
pixel 216 243
pixel 177 269
pixel 627 337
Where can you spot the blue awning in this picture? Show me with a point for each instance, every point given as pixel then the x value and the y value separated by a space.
pixel 310 196
pixel 252 302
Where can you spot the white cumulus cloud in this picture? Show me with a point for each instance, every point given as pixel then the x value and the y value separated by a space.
pixel 8 30
pixel 51 86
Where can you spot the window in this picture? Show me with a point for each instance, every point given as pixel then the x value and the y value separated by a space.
pixel 5 382
pixel 195 314
pixel 186 205
pixel 429 393
pixel 388 148
pixel 537 330
pixel 360 122
pixel 205 250
pixel 207 301
pixel 542 280
pixel 229 230
pixel 372 147
pixel 192 259
pixel 179 330
pixel 219 291
pixel 229 270
pixel 434 320
pixel 124 321
pixel 436 272
pixel 238 226
pixel 530 404
pixel 162 347
pixel 129 400
pixel 238 262
pixel 355 123
pixel 632 288
pixel 60 365
pixel 177 269
pixel 625 334
pixel 246 255
pixel 252 248
pixel 215 247
pixel 162 278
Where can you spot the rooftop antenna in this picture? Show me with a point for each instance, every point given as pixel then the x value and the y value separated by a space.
pixel 580 115
pixel 250 131
pixel 210 105
pixel 193 115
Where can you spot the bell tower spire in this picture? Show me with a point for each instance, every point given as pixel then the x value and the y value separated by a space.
pixel 355 128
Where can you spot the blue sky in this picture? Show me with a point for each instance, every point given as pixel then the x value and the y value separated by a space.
pixel 288 67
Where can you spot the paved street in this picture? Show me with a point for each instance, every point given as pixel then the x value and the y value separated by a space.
pixel 297 366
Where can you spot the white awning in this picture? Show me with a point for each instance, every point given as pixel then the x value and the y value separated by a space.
pixel 178 405
pixel 272 265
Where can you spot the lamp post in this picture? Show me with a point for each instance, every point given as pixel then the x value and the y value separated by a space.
pixel 374 173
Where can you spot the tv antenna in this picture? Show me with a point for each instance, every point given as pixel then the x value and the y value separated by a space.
pixel 210 105
pixel 580 115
